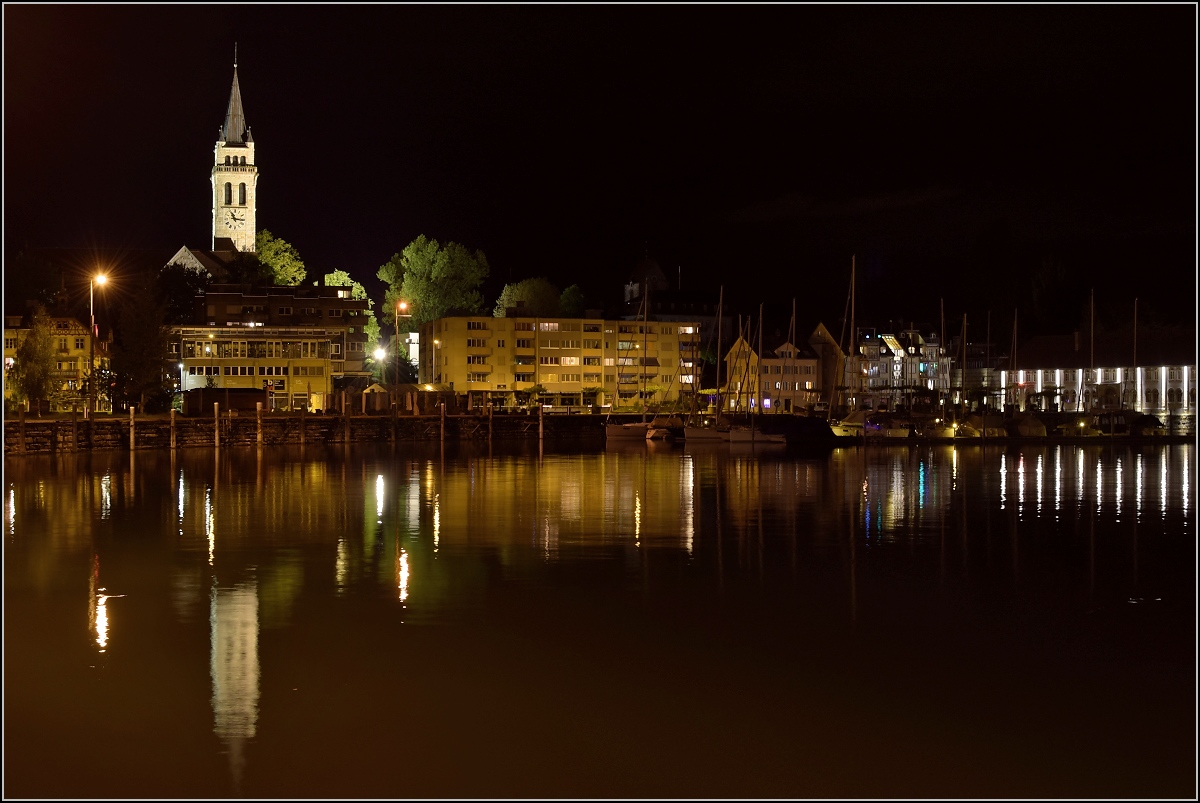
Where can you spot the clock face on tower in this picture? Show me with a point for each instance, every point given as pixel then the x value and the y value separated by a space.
pixel 235 219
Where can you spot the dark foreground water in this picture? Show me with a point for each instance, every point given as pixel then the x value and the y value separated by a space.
pixel 919 621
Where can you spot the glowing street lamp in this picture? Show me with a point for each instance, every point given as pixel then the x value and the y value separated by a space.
pixel 401 312
pixel 98 279
pixel 380 355
pixel 437 367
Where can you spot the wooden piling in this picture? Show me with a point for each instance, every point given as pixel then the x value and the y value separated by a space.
pixel 442 428
pixel 131 440
pixel 173 441
pixel 217 424
pixel 258 421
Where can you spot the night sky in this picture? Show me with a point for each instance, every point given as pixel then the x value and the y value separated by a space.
pixel 956 151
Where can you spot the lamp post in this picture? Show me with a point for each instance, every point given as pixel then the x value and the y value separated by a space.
pixel 98 279
pixel 437 368
pixel 401 312
pixel 380 354
pixel 209 350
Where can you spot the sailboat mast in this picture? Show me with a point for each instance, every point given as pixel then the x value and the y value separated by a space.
pixel 853 339
pixel 645 344
pixel 758 380
pixel 1012 356
pixel 720 315
pixel 942 354
pixel 987 359
pixel 791 354
pixel 962 391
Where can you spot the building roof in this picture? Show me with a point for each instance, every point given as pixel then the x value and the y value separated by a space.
pixel 1112 349
pixel 234 131
pixel 215 263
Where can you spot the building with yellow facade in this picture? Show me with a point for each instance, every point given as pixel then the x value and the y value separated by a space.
pixel 73 347
pixel 296 343
pixel 568 362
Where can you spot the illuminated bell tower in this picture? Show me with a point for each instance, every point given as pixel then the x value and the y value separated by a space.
pixel 234 176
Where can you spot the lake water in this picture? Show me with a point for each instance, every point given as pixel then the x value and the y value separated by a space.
pixel 643 621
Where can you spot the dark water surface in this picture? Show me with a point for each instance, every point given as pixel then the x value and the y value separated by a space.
pixel 909 621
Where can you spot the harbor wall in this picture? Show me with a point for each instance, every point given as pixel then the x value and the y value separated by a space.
pixel 32 435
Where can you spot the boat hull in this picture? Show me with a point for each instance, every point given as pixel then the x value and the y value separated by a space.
pixel 754 436
pixel 634 431
pixel 705 435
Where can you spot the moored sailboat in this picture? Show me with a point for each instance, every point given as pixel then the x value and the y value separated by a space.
pixel 713 430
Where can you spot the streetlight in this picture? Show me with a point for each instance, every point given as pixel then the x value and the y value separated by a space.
pixel 98 279
pixel 401 312
pixel 379 356
pixel 208 349
pixel 437 367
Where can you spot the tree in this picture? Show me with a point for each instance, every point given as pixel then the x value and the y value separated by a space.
pixel 339 278
pixel 391 273
pixel 248 268
pixel 140 341
pixel 280 257
pixel 435 280
pixel 177 286
pixel 538 297
pixel 33 364
pixel 535 394
pixel 572 303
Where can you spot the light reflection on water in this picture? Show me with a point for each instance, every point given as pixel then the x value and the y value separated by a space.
pixel 510 562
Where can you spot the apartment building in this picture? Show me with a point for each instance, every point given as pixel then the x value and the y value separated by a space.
pixel 296 343
pixel 622 364
pixel 73 350
pixel 892 368
pixel 785 379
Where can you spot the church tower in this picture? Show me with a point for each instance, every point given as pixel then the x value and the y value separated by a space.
pixel 234 177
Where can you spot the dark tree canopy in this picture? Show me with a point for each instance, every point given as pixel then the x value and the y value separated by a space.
pixel 435 280
pixel 176 288
pixel 140 343
pixel 32 373
pixel 572 303
pixel 533 297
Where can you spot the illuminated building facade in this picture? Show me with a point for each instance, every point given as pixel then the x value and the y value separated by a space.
pixel 783 380
pixel 575 361
pixel 295 342
pixel 890 369
pixel 1152 373
pixel 234 176
pixel 71 352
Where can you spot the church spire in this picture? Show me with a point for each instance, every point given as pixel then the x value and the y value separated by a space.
pixel 234 129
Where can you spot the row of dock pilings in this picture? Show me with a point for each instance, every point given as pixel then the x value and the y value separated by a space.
pixel 181 435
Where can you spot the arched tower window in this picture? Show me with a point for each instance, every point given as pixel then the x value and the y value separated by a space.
pixel 227 159
pixel 243 160
pixel 228 193
pixel 242 194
